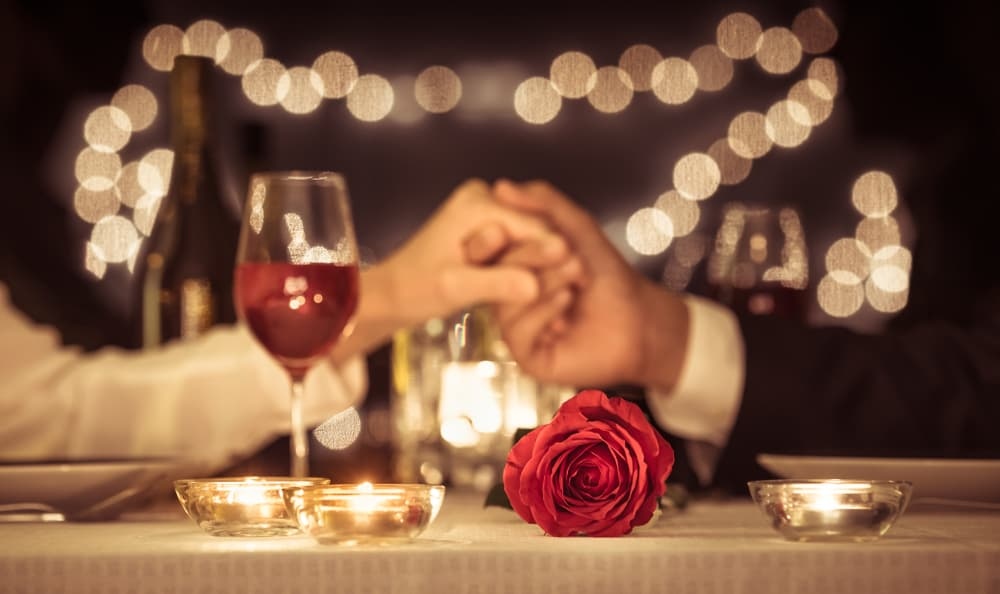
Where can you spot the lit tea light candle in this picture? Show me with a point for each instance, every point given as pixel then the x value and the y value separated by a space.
pixel 354 514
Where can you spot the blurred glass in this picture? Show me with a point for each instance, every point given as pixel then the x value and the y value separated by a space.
pixel 759 262
pixel 458 399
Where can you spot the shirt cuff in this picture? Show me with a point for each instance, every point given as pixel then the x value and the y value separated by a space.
pixel 703 405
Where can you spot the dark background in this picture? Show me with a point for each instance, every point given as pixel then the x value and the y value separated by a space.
pixel 918 96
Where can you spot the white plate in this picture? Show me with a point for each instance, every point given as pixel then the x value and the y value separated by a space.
pixel 74 488
pixel 945 478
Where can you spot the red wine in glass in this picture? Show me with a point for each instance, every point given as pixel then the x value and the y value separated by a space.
pixel 296 311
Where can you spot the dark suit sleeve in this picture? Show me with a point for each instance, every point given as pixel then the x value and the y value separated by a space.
pixel 933 387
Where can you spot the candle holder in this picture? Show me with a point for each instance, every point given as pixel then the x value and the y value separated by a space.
pixel 365 513
pixel 241 506
pixel 831 510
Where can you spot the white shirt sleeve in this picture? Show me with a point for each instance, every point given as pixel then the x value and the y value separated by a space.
pixel 210 401
pixel 703 405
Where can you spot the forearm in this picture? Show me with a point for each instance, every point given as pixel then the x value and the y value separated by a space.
pixel 378 316
pixel 664 337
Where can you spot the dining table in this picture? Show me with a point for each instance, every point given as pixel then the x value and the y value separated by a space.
pixel 711 546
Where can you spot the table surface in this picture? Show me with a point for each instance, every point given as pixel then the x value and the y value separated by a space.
pixel 711 547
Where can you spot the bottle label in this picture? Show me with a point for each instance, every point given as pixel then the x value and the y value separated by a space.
pixel 196 307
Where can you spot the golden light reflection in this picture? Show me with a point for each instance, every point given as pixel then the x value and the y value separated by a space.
pixel 886 301
pixel 748 135
pixel 161 45
pixel 202 39
pixel 713 67
pixel 438 89
pixel 823 77
pixel 114 239
pixel 783 124
pixel 738 35
pixel 537 101
pixel 649 231
pixel 780 51
pixel 849 255
pixel 154 171
pixel 815 31
pixel 874 194
pixel 877 233
pixel 338 72
pixel 305 90
pixel 893 255
pixel 611 91
pixel 572 74
pixel 97 171
pixel 721 258
pixel 815 109
pixel 93 262
pixel 674 81
pixel 260 82
pixel 684 214
pixel 371 99
pixel 837 299
pixel 144 215
pixel 732 168
pixel 638 61
pixel 794 256
pixel 93 206
pixel 129 189
pixel 237 49
pixel 139 105
pixel 107 129
pixel 696 176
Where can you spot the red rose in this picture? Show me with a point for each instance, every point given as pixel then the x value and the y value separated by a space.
pixel 598 469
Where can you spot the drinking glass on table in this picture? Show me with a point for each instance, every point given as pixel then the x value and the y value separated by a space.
pixel 759 263
pixel 297 278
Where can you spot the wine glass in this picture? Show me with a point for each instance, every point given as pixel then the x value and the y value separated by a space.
pixel 297 280
pixel 759 263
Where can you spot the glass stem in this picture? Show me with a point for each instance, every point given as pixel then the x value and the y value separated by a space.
pixel 299 439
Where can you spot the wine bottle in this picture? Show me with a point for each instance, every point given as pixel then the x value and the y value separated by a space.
pixel 187 272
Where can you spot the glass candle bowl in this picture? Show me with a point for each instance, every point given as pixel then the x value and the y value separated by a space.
pixel 365 513
pixel 831 510
pixel 241 506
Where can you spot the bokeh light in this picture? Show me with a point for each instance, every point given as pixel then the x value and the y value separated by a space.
pixel 696 176
pixel 572 74
pixel 129 189
pixel 780 51
pixel 890 278
pixel 816 108
pixel 114 239
pixel 783 124
pixel 732 168
pixel 611 91
pixel 883 300
pixel 537 101
pixel 93 206
pixel 93 262
pixel 96 170
pixel 237 49
pixel 684 214
pixel 261 80
pixel 305 90
pixel 893 255
pixel 139 105
pixel 649 231
pixel 638 61
pixel 824 78
pixel 877 233
pixel 674 81
pixel 338 72
pixel 438 89
pixel 107 129
pixel 748 135
pixel 849 255
pixel 154 171
pixel 161 45
pixel 738 35
pixel 145 211
pixel 371 99
pixel 839 299
pixel 714 69
pixel 815 31
pixel 874 194
pixel 202 39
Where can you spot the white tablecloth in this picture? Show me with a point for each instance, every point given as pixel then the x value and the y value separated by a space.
pixel 711 548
